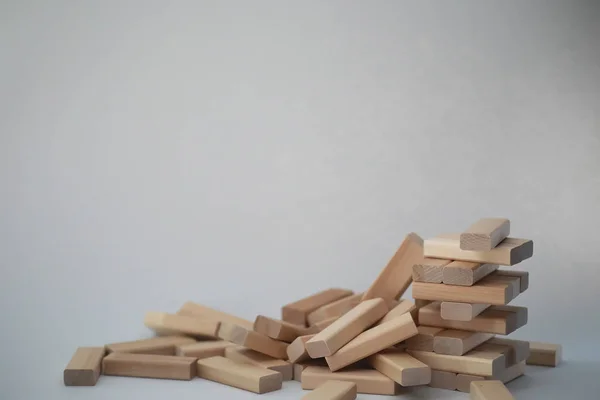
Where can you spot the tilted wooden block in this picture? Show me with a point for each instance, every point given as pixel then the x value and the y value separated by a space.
pixel 475 362
pixel 443 380
pixel 296 351
pixel 205 349
pixel 424 338
pixel 297 312
pixel 463 381
pixel 335 309
pixel 367 380
pixel 509 252
pixel 249 356
pixel 253 340
pixel 461 311
pixel 545 354
pixel 517 350
pixel 466 273
pixel 302 365
pixel 243 376
pixel 279 330
pixel 372 341
pixel 489 390
pixel 162 345
pixel 456 343
pixel 522 275
pixel 429 270
pixel 404 306
pixel 346 328
pixel 395 278
pixel 319 326
pixel 85 367
pixel 485 234
pixel 198 310
pixel 149 366
pixel 174 324
pixel 333 390
pixel 401 367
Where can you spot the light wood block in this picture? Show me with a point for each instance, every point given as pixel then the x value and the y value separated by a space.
pixel 333 390
pixel 335 309
pixel 198 310
pixel 319 326
pixel 545 354
pixel 443 380
pixel 300 366
pixel 424 338
pixel 454 311
pixel 466 273
pixel 501 320
pixel 174 324
pixel 485 234
pixel 240 375
pixel 253 340
pixel 395 278
pixel 161 345
pixel 296 351
pixel 346 328
pixel 463 381
pixel 366 380
pixel 522 275
pixel 401 367
pixel 85 367
pixel 510 373
pixel 489 390
pixel 249 356
pixel 509 252
pixel 404 306
pixel 475 362
pixel 297 312
pixel 421 303
pixel 372 341
pixel 149 366
pixel 279 330
pixel 517 350
pixel 205 349
pixel 456 343
pixel 429 270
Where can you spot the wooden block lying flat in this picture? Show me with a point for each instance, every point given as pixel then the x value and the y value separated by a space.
pixel 175 324
pixel 296 351
pixel 461 311
pixel 489 390
pixel 466 273
pixel 366 380
pixel 149 366
pixel 404 306
pixel 346 328
pixel 509 252
pixel 334 309
pixel 545 354
pixel 198 310
pixel 456 343
pixel 518 350
pixel 301 366
pixel 297 312
pixel 497 291
pixel 483 363
pixel 279 330
pixel 424 338
pixel 319 326
pixel 162 345
pixel 443 380
pixel 248 356
pixel 206 349
pixel 333 390
pixel 485 234
pixel 401 367
pixel 85 367
pixel 429 270
pixel 395 278
pixel 243 376
pixel 522 275
pixel 463 381
pixel 253 340
pixel 500 320
pixel 372 341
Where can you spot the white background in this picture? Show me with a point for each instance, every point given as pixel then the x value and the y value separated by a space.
pixel 247 154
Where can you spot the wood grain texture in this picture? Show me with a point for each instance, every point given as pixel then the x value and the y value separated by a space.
pixel 243 376
pixel 367 380
pixel 401 367
pixel 404 306
pixel 249 356
pixel 522 275
pixel 333 390
pixel 253 340
pixel 175 324
pixel 395 278
pixel 456 343
pixel 454 311
pixel 296 351
pixel 198 310
pixel 491 290
pixel 335 309
pixel 475 362
pixel 485 234
pixel 429 270
pixel 297 312
pixel 443 380
pixel 466 273
pixel 463 381
pixel 489 390
pixel 509 252
pixel 149 366
pixel 161 345
pixel 280 330
pixel 544 354
pixel 205 349
pixel 85 367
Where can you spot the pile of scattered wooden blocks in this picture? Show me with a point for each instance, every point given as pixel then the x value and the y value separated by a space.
pixel 338 343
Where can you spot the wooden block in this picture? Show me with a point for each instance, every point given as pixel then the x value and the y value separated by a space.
pixel 510 251
pixel 401 367
pixel 346 328
pixel 335 309
pixel 366 380
pixel 489 390
pixel 163 345
pixel 296 351
pixel 500 320
pixel 429 270
pixel 372 341
pixel 205 349
pixel 300 366
pixel 456 343
pixel 174 324
pixel 475 362
pixel 522 275
pixel 443 380
pixel 249 356
pixel 454 311
pixel 85 367
pixel 485 234
pixel 424 338
pixel 518 349
pixel 198 310
pixel 466 273
pixel 545 354
pixel 395 278
pixel 149 366
pixel 253 340
pixel 243 376
pixel 491 289
pixel 279 330
pixel 297 312
pixel 333 390
pixel 319 326
pixel 404 306
pixel 421 303
pixel 463 381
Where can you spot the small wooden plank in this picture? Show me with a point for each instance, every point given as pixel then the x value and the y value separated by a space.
pixel 161 345
pixel 463 381
pixel 475 362
pixel 279 330
pixel 372 341
pixel 492 290
pixel 149 366
pixel 366 380
pixel 300 366
pixel 319 326
pixel 401 367
pixel 395 278
pixel 334 309
pixel 85 367
pixel 429 270
pixel 545 354
pixel 296 351
pixel 198 310
pixel 456 343
pixel 205 349
pixel 518 350
pixel 297 312
pixel 346 328
pixel 249 356
pixel 485 234
pixel 443 380
pixel 454 311
pixel 489 390
pixel 240 375
pixel 522 275
pixel 253 340
pixel 333 390
pixel 423 340
pixel 175 324
pixel 466 273
pixel 509 252
pixel 404 306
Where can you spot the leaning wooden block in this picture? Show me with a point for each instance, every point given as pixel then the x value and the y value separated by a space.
pixel 297 312
pixel 489 390
pixel 461 311
pixel 423 340
pixel 517 350
pixel 522 275
pixel 366 380
pixel 545 354
pixel 404 306
pixel 296 351
pixel 346 328
pixel 456 343
pixel 249 356
pixel 162 345
pixel 401 367
pixel 243 376
pixel 279 330
pixel 443 380
pixel 429 270
pixel 463 381
pixel 198 310
pixel 319 326
pixel 485 234
pixel 253 340
pixel 205 349
pixel 333 390
pixel 335 309
pixel 149 366
pixel 395 278
pixel 475 362
pixel 372 341
pixel 174 324
pixel 492 290
pixel 510 251
pixel 85 367
pixel 466 273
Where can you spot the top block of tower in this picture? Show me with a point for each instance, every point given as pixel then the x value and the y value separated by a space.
pixel 485 234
